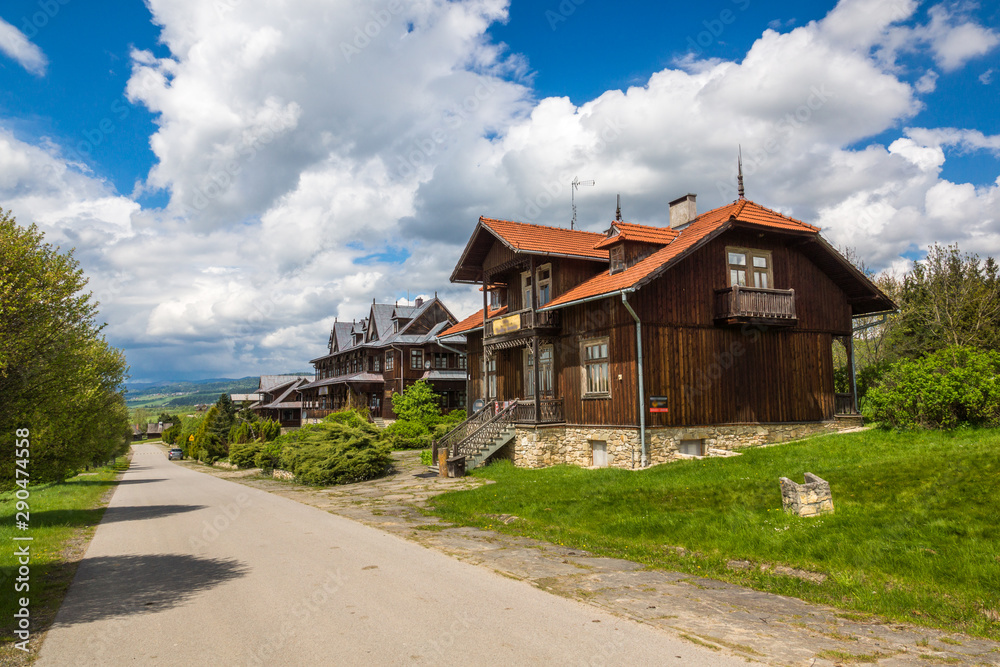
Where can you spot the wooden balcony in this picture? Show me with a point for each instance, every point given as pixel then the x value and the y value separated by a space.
pixel 523 321
pixel 755 305
pixel 551 411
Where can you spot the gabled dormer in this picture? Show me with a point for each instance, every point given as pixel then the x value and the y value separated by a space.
pixel 628 244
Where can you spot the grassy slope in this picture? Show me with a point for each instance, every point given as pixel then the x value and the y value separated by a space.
pixel 62 517
pixel 914 535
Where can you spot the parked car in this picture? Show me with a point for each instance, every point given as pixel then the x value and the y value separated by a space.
pixel 175 453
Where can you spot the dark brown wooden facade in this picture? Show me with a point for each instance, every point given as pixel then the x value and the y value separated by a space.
pixel 383 354
pixel 701 368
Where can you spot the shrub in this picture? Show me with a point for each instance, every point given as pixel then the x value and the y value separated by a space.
pixel 427 457
pixel 242 454
pixel 269 456
pixel 269 429
pixel 952 387
pixel 352 418
pixel 171 434
pixel 418 403
pixel 406 435
pixel 333 453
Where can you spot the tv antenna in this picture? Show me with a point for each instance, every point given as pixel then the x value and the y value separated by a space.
pixel 572 197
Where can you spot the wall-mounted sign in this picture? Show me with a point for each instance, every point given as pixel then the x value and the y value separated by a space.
pixel 507 324
pixel 658 404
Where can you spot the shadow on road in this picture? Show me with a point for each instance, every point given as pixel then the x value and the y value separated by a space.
pixel 92 516
pixel 123 586
pixel 92 482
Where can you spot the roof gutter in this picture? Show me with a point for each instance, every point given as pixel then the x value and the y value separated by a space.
pixel 642 395
pixel 585 300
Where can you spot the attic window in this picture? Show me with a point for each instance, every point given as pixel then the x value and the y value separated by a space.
pixel 749 268
pixel 494 299
pixel 617 259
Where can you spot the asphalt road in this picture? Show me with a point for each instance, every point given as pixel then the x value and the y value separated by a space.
pixel 189 569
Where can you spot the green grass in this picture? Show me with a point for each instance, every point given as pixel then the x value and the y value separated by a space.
pixel 62 517
pixel 914 536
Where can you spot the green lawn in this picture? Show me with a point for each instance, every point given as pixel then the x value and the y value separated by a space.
pixel 914 535
pixel 61 521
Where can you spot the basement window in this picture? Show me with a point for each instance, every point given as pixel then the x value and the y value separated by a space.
pixel 692 447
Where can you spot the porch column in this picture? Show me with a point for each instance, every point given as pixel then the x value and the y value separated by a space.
pixel 483 364
pixel 535 371
pixel 849 340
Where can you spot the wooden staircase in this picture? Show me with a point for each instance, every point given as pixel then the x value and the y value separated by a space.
pixel 481 435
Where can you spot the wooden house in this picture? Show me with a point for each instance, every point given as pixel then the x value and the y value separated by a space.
pixel 384 353
pixel 281 399
pixel 642 344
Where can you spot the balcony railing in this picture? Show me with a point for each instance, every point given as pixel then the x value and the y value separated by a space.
pixel 844 404
pixel 522 320
pixel 738 304
pixel 551 410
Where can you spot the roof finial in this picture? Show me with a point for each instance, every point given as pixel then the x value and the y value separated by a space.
pixel 739 177
pixel 618 211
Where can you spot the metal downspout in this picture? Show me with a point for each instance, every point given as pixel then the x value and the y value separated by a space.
pixel 642 396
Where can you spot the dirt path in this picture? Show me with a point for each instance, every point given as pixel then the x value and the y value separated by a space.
pixel 759 626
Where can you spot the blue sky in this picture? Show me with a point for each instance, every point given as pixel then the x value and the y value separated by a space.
pixel 233 179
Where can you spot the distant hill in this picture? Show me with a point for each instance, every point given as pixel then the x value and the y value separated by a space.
pixel 168 394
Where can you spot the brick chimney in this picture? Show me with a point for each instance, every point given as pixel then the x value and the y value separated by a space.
pixel 418 302
pixel 682 211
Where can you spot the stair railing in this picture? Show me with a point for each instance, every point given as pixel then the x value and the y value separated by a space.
pixel 485 434
pixel 460 432
pixel 469 436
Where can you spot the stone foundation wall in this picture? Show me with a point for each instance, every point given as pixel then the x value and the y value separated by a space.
pixel 542 446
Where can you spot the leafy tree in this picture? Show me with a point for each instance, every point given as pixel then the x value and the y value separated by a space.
pixel 59 378
pixel 418 403
pixel 949 298
pixel 167 418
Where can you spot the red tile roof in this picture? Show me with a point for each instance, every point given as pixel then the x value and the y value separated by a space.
pixel 628 231
pixel 704 225
pixel 550 240
pixel 471 323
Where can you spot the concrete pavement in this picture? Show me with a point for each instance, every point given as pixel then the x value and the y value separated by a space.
pixel 190 569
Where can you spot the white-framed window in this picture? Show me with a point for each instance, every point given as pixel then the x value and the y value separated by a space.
pixel 544 371
pixel 617 258
pixel 526 289
pixel 416 359
pixel 543 276
pixel 749 268
pixel 491 378
pixel 389 357
pixel 596 367
pixel 495 298
pixel 378 364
